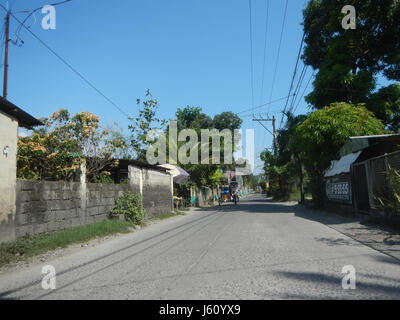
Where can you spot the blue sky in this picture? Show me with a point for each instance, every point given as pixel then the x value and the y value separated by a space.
pixel 187 52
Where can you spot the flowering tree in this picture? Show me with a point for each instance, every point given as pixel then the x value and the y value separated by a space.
pixel 56 150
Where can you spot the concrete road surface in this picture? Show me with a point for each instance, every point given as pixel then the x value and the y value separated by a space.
pixel 256 250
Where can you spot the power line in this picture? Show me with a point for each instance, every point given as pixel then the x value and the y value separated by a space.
pixel 263 105
pixel 264 62
pixel 32 12
pixel 293 77
pixel 298 87
pixel 67 64
pixel 265 52
pixel 286 113
pixel 304 92
pixel 260 115
pixel 279 50
pixel 251 56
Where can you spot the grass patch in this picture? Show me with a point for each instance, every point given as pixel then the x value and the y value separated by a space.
pixel 30 246
pixel 33 245
pixel 167 215
pixel 295 195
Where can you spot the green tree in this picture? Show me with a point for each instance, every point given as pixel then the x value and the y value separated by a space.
pixel 373 46
pixel 193 118
pixel 349 61
pixel 325 131
pixel 227 120
pixel 385 104
pixel 284 169
pixel 143 124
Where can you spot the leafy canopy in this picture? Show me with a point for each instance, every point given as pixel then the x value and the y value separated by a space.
pixel 325 131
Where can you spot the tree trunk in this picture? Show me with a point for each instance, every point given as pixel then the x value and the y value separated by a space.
pixel 298 161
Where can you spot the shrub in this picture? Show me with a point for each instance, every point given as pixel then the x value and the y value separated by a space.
pixel 391 199
pixel 130 205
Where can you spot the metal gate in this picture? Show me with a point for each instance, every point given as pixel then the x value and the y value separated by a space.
pixel 360 187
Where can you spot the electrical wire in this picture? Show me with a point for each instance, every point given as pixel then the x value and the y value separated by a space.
pixel 251 55
pixel 304 92
pixel 32 12
pixel 265 53
pixel 67 64
pixel 279 50
pixel 294 75
pixel 297 89
pixel 263 105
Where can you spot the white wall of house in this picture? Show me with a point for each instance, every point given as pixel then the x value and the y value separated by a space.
pixel 8 175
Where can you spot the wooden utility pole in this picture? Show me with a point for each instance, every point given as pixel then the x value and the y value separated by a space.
pixel 274 133
pixel 5 80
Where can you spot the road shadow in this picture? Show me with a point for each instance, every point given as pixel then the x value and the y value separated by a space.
pixel 181 228
pixel 259 206
pixel 370 287
pixel 387 259
pixel 338 242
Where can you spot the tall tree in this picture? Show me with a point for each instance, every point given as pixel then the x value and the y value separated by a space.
pixel 193 118
pixel 325 131
pixel 141 126
pixel 349 61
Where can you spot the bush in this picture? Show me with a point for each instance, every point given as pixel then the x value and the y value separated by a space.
pixel 130 205
pixel 391 199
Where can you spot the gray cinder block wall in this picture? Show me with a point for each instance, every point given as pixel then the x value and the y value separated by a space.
pixel 157 192
pixel 43 206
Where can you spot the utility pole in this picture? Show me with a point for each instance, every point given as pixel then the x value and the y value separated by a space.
pixel 274 133
pixel 5 80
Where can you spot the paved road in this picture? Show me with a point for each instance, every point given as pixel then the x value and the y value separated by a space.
pixel 256 250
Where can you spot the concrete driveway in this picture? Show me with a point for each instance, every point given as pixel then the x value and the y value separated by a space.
pixel 256 250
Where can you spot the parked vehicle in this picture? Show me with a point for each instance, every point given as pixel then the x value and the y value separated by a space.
pixel 225 195
pixel 229 193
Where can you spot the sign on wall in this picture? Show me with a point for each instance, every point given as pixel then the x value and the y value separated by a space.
pixel 338 189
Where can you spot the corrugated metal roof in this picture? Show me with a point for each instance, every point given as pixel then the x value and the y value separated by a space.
pixel 341 166
pixel 360 143
pixel 25 120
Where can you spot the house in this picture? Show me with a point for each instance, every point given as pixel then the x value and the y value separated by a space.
pixel 11 117
pixel 358 177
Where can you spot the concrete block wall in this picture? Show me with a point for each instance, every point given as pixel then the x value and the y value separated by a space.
pixel 157 193
pixel 100 199
pixel 47 206
pixel 44 206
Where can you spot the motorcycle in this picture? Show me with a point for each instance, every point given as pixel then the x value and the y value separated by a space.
pixel 235 197
pixel 224 196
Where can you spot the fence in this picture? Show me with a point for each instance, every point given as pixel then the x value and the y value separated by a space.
pixel 45 206
pixel 370 181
